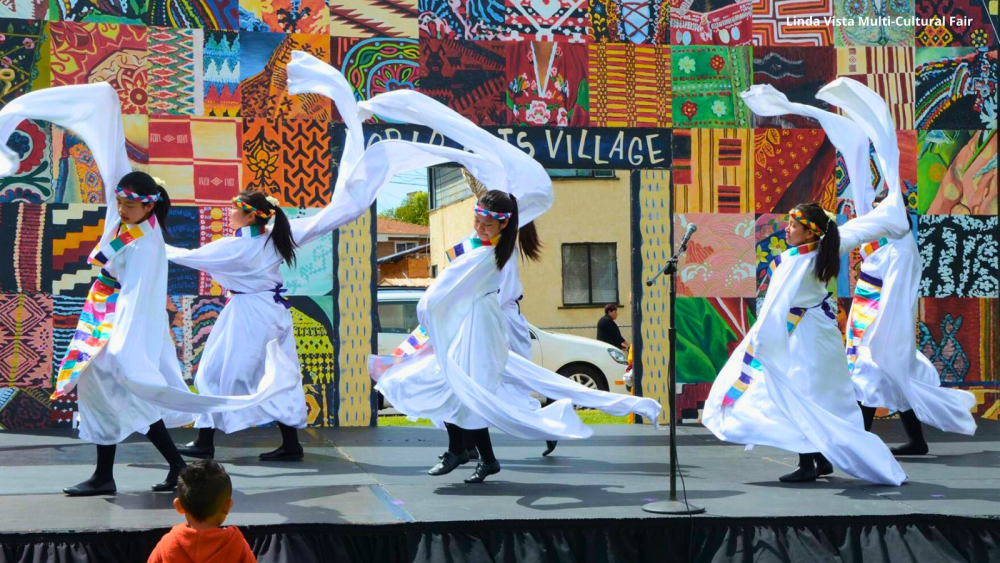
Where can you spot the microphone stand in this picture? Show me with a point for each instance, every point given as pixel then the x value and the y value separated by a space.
pixel 672 506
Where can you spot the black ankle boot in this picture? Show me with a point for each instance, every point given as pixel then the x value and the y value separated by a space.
pixel 823 465
pixel 203 447
pixel 290 448
pixel 915 433
pixel 102 482
pixel 484 470
pixel 550 446
pixel 160 438
pixel 170 483
pixel 449 462
pixel 806 473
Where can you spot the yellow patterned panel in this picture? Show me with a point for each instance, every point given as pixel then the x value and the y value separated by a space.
pixel 654 224
pixel 354 309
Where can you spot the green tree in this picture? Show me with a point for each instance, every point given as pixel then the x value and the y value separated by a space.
pixel 415 209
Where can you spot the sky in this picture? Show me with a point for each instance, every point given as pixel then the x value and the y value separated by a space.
pixel 394 194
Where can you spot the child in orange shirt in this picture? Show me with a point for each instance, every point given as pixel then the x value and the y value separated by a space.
pixel 204 497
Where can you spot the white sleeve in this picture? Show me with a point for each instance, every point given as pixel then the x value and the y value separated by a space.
pixel 522 176
pixel 92 112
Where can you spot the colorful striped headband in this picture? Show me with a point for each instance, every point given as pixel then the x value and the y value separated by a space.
pixel 494 214
pixel 251 209
pixel 801 218
pixel 128 194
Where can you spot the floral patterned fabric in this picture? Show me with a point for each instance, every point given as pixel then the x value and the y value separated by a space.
pixel 706 83
pixel 547 84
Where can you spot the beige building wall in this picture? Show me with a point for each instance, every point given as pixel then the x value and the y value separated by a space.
pixel 585 210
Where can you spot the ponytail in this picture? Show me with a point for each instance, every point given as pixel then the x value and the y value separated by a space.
pixel 828 260
pixel 162 207
pixel 531 246
pixel 281 237
pixel 280 233
pixel 502 202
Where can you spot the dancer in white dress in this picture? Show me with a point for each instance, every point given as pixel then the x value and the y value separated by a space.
pixel 248 265
pixel 786 385
pixel 121 359
pixel 888 371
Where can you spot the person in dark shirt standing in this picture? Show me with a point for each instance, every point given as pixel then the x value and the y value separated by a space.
pixel 607 328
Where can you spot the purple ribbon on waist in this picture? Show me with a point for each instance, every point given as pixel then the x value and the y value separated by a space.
pixel 278 297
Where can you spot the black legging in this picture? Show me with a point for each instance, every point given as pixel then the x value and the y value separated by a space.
pixel 868 413
pixel 457 438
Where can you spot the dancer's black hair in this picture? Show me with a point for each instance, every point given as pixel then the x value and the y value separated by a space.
pixel 502 202
pixel 828 260
pixel 280 232
pixel 144 184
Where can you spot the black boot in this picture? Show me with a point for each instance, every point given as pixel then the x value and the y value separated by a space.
pixel 449 462
pixel 102 482
pixel 160 438
pixel 868 414
pixel 203 447
pixel 488 464
pixel 484 470
pixel 550 446
pixel 823 465
pixel 473 454
pixel 915 432
pixel 806 473
pixel 290 449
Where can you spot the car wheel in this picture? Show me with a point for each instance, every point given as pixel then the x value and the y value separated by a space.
pixel 585 375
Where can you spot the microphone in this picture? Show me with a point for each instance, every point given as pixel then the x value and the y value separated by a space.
pixel 672 263
pixel 687 236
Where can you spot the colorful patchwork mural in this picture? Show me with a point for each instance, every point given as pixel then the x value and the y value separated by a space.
pixel 649 84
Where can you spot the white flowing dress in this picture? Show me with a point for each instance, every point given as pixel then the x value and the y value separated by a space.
pixel 131 377
pixel 787 385
pixel 435 386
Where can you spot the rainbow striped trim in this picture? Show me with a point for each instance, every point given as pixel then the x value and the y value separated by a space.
pixel 468 245
pixel 750 365
pixel 101 255
pixel 870 248
pixel 247 208
pixel 93 330
pixel 492 214
pixel 794 251
pixel 129 194
pixel 864 309
pixel 253 231
pixel 798 216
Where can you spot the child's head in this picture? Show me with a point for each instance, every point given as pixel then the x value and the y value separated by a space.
pixel 139 196
pixel 810 223
pixel 204 493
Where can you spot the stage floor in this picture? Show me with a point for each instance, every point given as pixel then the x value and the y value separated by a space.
pixel 378 476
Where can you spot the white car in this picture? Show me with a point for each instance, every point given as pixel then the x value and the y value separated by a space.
pixel 587 361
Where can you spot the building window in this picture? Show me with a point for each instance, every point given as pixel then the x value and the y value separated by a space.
pixel 434 270
pixel 590 273
pixel 404 246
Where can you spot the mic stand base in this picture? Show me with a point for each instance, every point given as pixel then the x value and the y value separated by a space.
pixel 672 507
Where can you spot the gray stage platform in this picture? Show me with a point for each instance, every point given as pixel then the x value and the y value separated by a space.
pixel 378 476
